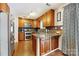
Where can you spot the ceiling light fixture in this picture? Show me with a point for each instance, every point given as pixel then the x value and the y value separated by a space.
pixel 32 14
pixel 48 4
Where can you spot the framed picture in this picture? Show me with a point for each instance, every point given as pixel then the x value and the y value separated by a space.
pixel 59 16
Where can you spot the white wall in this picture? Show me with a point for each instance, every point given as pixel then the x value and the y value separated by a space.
pixel 59 22
pixel 60 9
pixel 4 35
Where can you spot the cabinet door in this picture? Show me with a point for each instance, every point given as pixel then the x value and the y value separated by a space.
pixel 38 23
pixel 34 23
pixel 31 22
pixel 21 36
pixel 54 42
pixel 50 18
pixel 44 19
pixel 42 47
pixel 27 21
pixel 21 23
pixel 47 46
pixel 34 44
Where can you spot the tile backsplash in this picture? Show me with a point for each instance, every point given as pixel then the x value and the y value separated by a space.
pixel 54 27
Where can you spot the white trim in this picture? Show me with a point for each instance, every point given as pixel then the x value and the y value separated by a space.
pixel 50 43
pixel 38 47
pixel 50 52
pixel 60 42
pixel 4 34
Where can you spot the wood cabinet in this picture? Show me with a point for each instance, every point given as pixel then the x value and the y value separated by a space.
pixel 54 42
pixel 44 46
pixel 36 23
pixel 41 47
pixel 21 36
pixel 44 18
pixel 47 18
pixel 47 46
pixel 32 23
pixel 50 18
pixel 34 43
pixel 4 7
pixel 22 21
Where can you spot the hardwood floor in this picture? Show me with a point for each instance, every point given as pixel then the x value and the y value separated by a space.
pixel 57 53
pixel 24 48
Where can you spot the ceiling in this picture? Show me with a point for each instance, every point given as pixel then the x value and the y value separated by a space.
pixel 24 9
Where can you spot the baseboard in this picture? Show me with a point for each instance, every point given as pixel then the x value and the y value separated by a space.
pixel 50 52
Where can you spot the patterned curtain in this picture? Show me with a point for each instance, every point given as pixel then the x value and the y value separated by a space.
pixel 69 41
pixel 77 28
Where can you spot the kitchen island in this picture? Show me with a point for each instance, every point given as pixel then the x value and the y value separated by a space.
pixel 43 43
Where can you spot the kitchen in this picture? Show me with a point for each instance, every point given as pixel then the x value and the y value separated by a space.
pixel 33 29
pixel 48 21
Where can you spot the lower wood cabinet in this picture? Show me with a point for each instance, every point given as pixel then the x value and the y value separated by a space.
pixel 54 42
pixel 44 46
pixel 21 36
pixel 34 43
pixel 48 44
pixel 41 47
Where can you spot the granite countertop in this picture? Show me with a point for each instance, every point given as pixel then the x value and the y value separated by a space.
pixel 58 33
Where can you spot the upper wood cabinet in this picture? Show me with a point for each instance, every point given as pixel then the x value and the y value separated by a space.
pixel 34 24
pixel 50 18
pixel 4 7
pixel 38 23
pixel 31 22
pixel 47 18
pixel 44 19
pixel 21 22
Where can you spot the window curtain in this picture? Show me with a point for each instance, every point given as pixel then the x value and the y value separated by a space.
pixel 70 30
